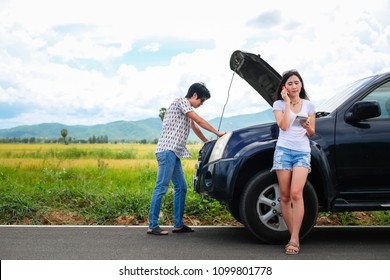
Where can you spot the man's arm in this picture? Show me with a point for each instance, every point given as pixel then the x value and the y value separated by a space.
pixel 202 123
pixel 198 132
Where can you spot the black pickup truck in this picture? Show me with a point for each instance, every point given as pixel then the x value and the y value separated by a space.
pixel 350 156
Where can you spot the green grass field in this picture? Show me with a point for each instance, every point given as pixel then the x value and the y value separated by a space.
pixel 91 184
pixel 107 184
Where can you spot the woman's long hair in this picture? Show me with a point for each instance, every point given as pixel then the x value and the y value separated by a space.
pixel 286 75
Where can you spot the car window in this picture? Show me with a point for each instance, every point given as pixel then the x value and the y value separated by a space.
pixel 382 96
pixel 342 94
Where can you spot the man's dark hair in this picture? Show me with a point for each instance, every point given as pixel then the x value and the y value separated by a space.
pixel 200 89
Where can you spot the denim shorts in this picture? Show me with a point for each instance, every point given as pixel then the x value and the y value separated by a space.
pixel 286 159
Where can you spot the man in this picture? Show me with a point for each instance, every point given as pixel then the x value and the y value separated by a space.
pixel 171 147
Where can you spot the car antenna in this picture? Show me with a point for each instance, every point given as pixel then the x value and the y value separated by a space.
pixel 224 106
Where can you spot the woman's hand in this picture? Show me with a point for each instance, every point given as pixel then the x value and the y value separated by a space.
pixel 284 94
pixel 305 123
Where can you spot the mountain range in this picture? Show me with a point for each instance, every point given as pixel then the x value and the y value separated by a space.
pixel 148 129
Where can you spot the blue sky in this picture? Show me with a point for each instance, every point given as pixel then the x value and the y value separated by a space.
pixel 89 62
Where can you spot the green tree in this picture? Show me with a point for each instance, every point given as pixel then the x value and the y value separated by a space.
pixel 162 113
pixel 64 133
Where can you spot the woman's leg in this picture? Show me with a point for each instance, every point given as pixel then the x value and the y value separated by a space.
pixel 284 180
pixel 299 176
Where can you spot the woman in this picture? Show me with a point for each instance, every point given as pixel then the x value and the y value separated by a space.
pixel 292 152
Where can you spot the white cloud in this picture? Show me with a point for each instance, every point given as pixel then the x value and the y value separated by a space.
pixel 76 62
pixel 153 47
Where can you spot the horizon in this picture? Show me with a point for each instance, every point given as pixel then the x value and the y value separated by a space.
pixel 147 129
pixel 114 121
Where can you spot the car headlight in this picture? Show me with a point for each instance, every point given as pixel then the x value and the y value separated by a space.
pixel 219 147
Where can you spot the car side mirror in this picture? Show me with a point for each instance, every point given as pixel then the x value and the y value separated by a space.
pixel 363 110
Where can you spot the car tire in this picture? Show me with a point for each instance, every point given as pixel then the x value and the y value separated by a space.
pixel 260 210
pixel 234 210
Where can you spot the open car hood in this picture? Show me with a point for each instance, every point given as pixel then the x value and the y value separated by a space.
pixel 258 73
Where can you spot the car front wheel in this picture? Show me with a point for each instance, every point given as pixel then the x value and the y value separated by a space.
pixel 261 213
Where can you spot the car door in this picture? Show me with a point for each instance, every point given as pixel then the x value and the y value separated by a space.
pixel 363 152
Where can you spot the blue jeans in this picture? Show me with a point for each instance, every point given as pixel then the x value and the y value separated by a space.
pixel 169 168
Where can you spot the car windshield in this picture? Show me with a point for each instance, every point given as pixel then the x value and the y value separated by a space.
pixel 343 94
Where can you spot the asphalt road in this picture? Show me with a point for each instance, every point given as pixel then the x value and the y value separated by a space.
pixel 212 243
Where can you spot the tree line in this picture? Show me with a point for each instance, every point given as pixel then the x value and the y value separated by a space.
pixel 69 140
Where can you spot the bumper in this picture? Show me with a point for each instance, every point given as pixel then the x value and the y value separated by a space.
pixel 217 179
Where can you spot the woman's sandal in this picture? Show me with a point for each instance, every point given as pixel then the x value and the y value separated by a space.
pixel 157 231
pixel 291 248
